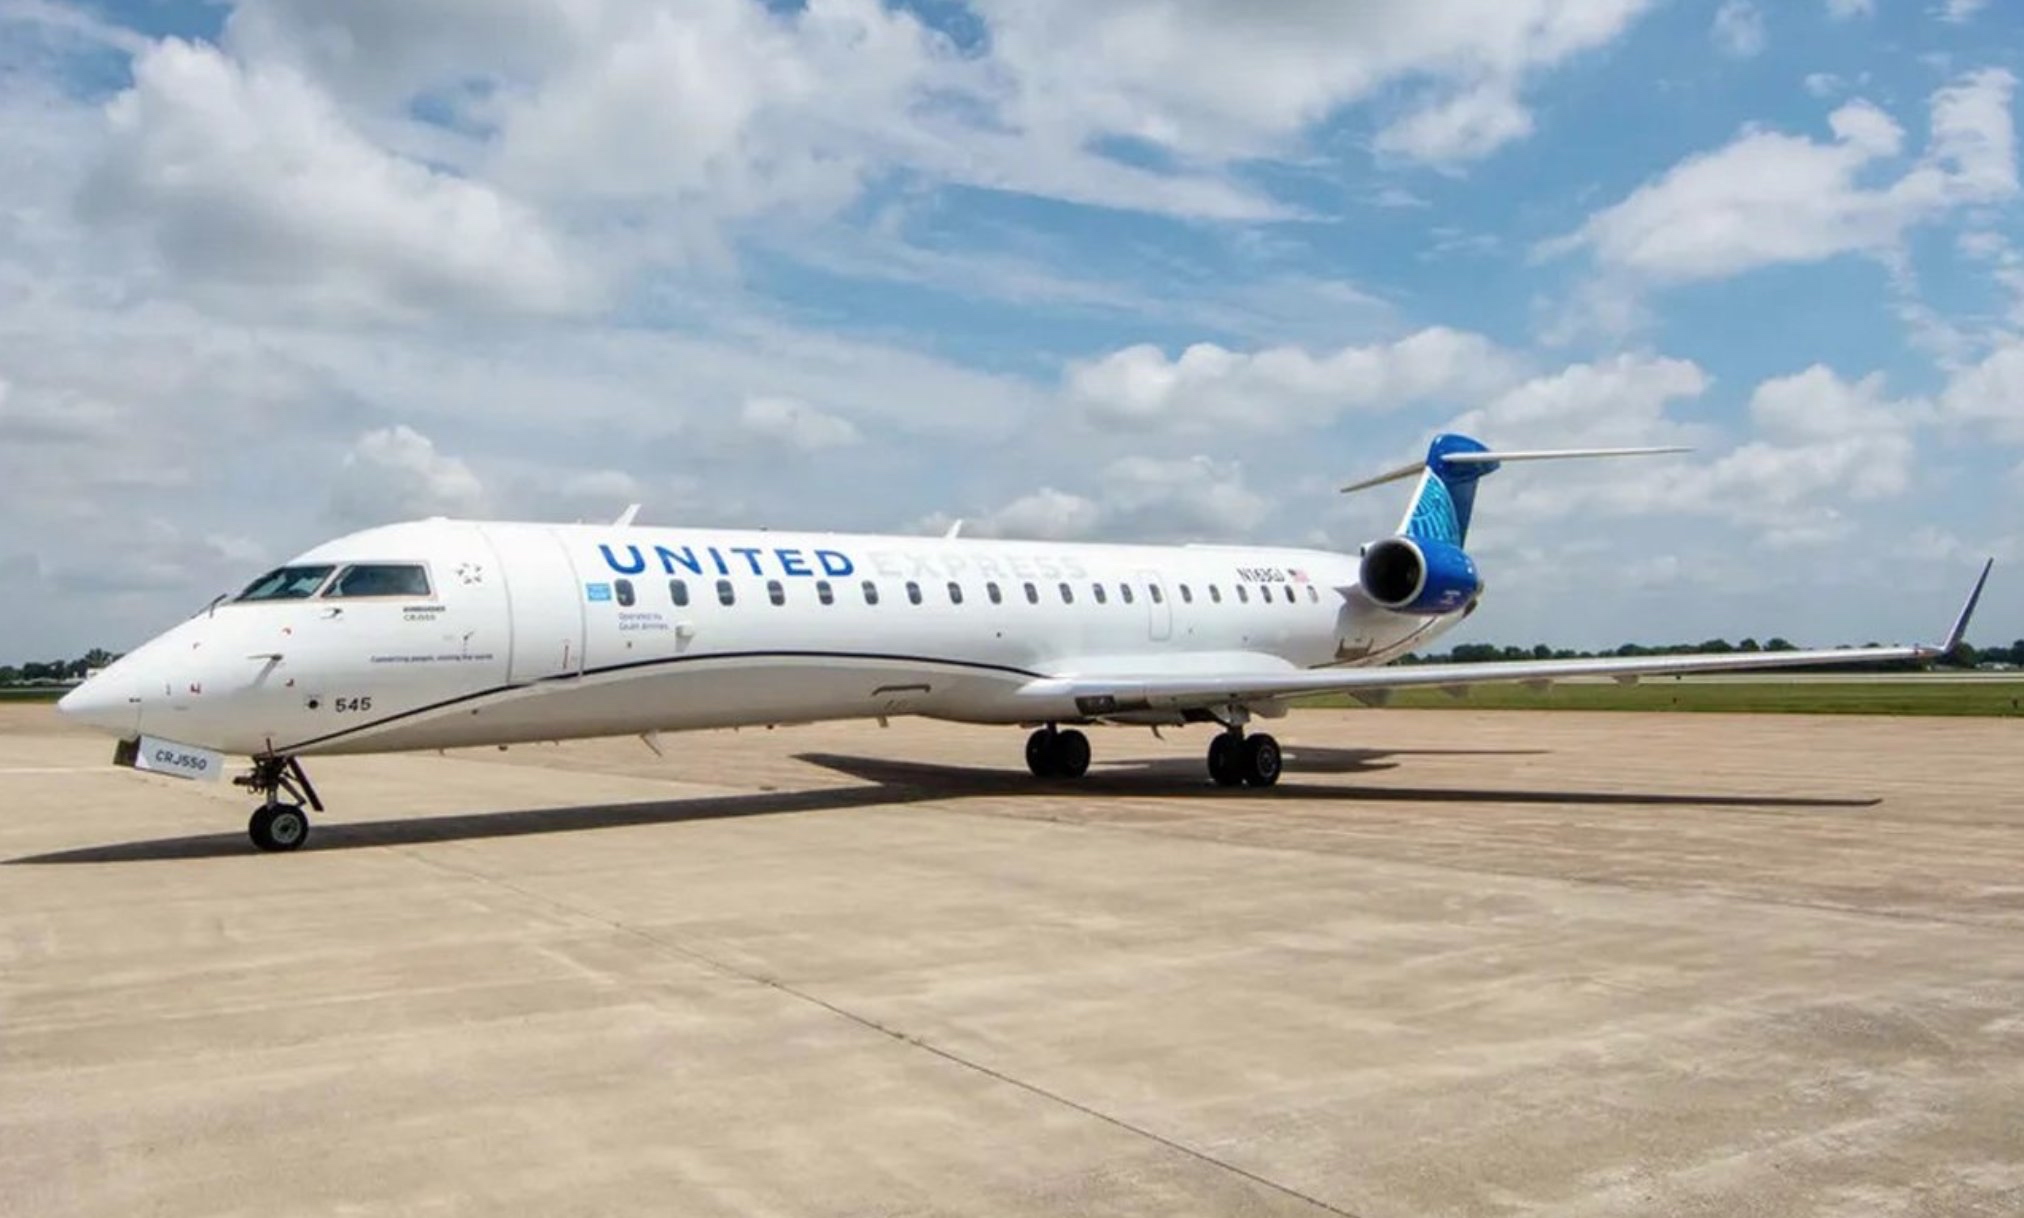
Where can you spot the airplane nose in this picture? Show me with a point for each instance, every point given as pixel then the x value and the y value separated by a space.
pixel 105 702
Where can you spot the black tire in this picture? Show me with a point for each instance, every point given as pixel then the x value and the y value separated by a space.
pixel 1262 762
pixel 1040 753
pixel 279 828
pixel 1226 759
pixel 1071 754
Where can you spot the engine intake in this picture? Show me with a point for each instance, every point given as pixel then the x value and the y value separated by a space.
pixel 1408 576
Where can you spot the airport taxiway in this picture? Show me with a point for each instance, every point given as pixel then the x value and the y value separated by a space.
pixel 1470 963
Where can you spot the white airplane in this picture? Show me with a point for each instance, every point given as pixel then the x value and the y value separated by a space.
pixel 449 633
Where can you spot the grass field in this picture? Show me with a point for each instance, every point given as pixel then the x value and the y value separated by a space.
pixel 10 693
pixel 1985 698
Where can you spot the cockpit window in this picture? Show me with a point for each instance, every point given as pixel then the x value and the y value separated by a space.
pixel 286 584
pixel 380 579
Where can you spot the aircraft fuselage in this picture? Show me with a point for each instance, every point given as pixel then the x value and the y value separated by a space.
pixel 518 632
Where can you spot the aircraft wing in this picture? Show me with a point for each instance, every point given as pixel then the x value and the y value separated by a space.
pixel 1120 694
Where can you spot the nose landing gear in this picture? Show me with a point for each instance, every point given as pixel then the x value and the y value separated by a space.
pixel 277 824
pixel 278 827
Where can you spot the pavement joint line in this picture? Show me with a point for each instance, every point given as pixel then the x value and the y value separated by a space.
pixel 727 969
pixel 1144 830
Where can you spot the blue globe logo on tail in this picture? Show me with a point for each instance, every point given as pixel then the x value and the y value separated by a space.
pixel 1447 494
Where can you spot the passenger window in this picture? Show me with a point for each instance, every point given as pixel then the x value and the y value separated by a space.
pixel 1032 595
pixel 776 593
pixel 1067 595
pixel 913 592
pixel 1187 595
pixel 1124 590
pixel 1102 597
pixel 726 594
pixel 380 579
pixel 1313 597
pixel 825 593
pixel 1153 590
pixel 1216 593
pixel 1289 594
pixel 678 592
pixel 870 593
pixel 1243 594
pixel 955 593
pixel 992 590
pixel 286 584
pixel 624 589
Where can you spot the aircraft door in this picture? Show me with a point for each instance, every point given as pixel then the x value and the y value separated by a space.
pixel 1159 607
pixel 545 599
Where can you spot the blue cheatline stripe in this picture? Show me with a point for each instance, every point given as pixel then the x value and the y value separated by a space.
pixel 636 665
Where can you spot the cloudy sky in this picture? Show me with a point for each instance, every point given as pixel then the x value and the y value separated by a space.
pixel 1154 269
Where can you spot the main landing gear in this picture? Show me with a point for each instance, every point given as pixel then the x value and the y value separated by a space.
pixel 1235 760
pixel 1239 760
pixel 1051 753
pixel 278 824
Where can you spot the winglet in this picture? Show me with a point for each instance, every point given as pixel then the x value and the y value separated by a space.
pixel 1960 629
pixel 955 531
pixel 625 518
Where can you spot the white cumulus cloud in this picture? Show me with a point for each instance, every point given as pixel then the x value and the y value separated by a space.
pixel 1138 498
pixel 1463 127
pixel 1990 393
pixel 250 177
pixel 396 473
pixel 1623 400
pixel 1046 514
pixel 1273 389
pixel 1738 30
pixel 1769 197
pixel 796 424
pixel 1229 79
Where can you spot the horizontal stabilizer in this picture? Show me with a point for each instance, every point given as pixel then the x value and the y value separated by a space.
pixel 1493 459
pixel 1390 475
pixel 1555 454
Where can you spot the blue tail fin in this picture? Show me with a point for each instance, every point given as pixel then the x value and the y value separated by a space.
pixel 1446 497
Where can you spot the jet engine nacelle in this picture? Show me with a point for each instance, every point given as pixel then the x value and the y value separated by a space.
pixel 1413 576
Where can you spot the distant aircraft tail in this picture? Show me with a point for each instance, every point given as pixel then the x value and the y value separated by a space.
pixel 1446 497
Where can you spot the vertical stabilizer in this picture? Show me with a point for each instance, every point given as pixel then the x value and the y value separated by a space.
pixel 1446 497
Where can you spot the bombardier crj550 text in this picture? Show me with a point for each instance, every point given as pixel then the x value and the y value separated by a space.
pixel 446 633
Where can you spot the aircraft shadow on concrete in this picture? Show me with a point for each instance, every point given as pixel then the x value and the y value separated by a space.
pixel 889 782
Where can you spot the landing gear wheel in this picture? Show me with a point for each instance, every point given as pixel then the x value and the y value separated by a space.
pixel 1262 762
pixel 1071 755
pixel 1040 753
pixel 279 827
pixel 1057 754
pixel 1226 759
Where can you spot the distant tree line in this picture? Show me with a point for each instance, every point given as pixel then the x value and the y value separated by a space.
pixel 38 672
pixel 1968 656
